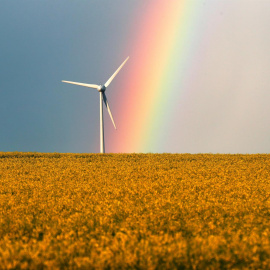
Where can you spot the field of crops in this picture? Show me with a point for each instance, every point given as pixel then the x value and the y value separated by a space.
pixel 134 211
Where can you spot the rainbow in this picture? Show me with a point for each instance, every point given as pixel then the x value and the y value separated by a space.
pixel 163 40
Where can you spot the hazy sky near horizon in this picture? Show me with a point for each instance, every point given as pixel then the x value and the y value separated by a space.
pixel 224 110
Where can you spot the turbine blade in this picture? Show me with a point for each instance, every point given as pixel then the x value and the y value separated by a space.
pixel 83 84
pixel 115 73
pixel 108 108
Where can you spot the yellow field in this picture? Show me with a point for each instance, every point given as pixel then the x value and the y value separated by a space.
pixel 134 211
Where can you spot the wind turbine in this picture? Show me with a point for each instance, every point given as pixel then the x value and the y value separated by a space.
pixel 101 89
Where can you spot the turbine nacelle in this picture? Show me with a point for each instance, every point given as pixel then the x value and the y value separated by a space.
pixel 101 88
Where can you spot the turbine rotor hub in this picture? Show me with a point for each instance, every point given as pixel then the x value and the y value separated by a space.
pixel 102 88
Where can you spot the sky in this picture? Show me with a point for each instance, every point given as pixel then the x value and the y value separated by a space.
pixel 196 81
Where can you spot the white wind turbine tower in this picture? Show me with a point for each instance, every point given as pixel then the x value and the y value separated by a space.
pixel 101 89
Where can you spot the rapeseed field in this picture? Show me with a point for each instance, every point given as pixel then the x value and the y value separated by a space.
pixel 134 211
